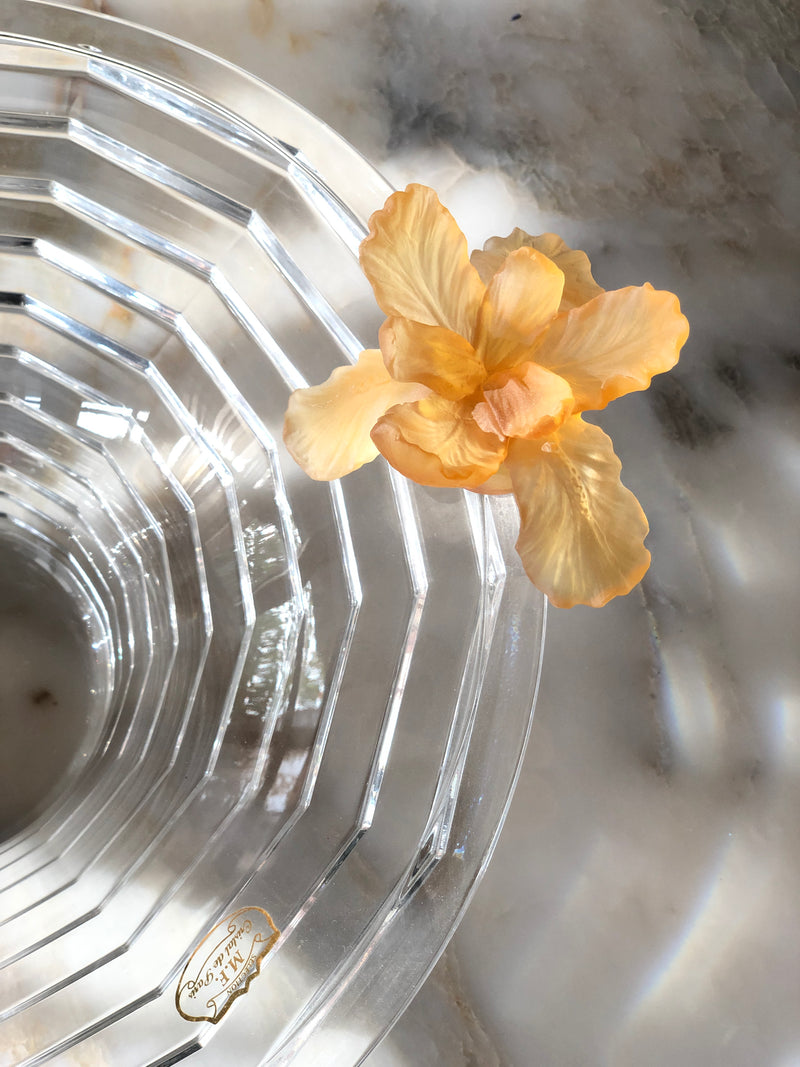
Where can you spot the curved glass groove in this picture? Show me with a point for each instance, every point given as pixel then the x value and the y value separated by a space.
pixel 311 698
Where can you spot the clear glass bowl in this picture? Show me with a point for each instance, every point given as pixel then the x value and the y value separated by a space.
pixel 233 687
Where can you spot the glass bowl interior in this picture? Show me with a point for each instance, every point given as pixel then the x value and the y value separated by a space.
pixel 236 687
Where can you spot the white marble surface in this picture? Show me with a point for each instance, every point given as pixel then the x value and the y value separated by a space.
pixel 642 904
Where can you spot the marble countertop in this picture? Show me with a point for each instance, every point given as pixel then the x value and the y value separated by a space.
pixel 641 907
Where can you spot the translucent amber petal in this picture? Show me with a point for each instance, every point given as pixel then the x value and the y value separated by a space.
pixel 327 427
pixel 438 358
pixel 416 260
pixel 522 298
pixel 579 285
pixel 498 485
pixel 582 532
pixel 435 442
pixel 527 401
pixel 614 344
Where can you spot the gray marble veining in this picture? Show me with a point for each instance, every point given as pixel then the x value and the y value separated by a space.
pixel 642 905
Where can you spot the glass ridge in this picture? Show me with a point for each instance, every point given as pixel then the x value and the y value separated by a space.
pixel 308 698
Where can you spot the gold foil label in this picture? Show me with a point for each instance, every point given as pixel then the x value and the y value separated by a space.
pixel 224 964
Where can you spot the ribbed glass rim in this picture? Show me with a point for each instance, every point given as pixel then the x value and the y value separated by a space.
pixel 442 876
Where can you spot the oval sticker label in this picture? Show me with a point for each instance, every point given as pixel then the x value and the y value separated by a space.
pixel 224 964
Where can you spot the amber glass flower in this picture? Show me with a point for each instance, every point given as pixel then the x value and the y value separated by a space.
pixel 485 366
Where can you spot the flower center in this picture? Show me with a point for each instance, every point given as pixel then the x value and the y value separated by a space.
pixel 527 401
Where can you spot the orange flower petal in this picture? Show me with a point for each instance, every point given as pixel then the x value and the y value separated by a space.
pixel 521 300
pixel 438 358
pixel 527 401
pixel 416 260
pixel 435 442
pixel 581 531
pixel 498 485
pixel 579 285
pixel 614 344
pixel 327 427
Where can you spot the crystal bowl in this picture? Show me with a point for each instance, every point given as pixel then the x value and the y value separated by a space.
pixel 259 733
